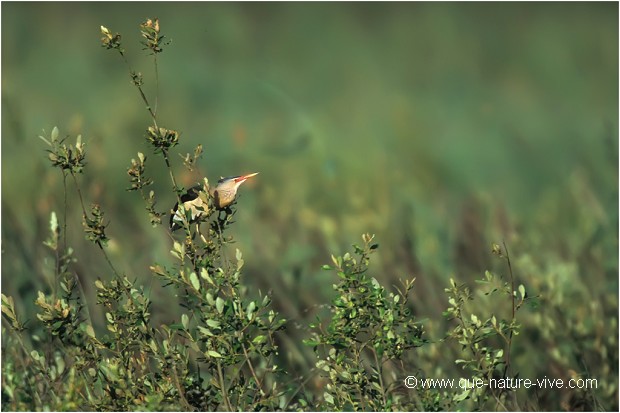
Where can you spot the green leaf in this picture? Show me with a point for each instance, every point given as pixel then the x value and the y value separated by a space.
pixel 193 278
pixel 328 398
pixel 214 354
pixel 178 249
pixel 259 339
pixel 239 259
pixel 251 309
pixel 53 222
pixel 522 291
pixel 219 304
pixel 210 299
pixel 205 331
pixel 45 140
pixel 460 397
pixel 311 342
pixel 185 321
pixel 213 323
pixel 205 275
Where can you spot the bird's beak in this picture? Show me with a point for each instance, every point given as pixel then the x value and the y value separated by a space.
pixel 242 178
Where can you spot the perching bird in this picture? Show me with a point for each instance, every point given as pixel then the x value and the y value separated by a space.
pixel 195 200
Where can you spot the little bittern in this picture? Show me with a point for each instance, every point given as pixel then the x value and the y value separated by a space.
pixel 195 200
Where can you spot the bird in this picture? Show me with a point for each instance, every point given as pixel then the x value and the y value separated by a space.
pixel 196 201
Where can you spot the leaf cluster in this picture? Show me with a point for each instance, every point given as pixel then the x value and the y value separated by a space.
pixel 369 329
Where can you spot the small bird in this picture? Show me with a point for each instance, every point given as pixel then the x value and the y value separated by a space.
pixel 195 200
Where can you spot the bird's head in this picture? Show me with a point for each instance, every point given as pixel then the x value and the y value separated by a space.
pixel 225 191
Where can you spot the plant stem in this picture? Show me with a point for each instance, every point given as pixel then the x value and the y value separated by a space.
pixel 77 188
pixel 222 387
pixel 144 99
pixel 512 321
pixel 379 373
pixel 247 357
pixel 156 87
pixel 174 182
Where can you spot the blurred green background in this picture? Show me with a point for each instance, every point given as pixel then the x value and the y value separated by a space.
pixel 440 127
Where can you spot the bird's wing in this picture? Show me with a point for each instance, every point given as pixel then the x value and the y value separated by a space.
pixel 174 214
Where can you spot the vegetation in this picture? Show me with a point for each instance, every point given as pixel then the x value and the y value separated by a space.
pixel 205 335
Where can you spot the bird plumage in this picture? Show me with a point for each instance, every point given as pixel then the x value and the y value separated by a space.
pixel 193 202
pixel 223 194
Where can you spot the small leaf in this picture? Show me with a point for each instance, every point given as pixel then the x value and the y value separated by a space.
pixel 204 274
pixel 214 354
pixel 193 278
pixel 328 398
pixel 522 291
pixel 45 140
pixel 251 308
pixel 460 397
pixel 259 339
pixel 311 342
pixel 213 323
pixel 335 261
pixel 219 304
pixel 185 321
pixel 53 222
pixel 205 331
pixel 54 134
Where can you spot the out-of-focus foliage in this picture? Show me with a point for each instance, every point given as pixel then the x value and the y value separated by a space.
pixel 439 127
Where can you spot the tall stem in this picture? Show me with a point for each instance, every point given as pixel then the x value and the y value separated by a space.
pixel 223 387
pixel 77 188
pixel 380 374
pixel 512 321
pixel 144 99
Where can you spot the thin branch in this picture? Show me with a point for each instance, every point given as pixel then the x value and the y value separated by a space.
pixel 512 295
pixel 247 357
pixel 379 372
pixel 77 188
pixel 144 98
pixel 223 387
pixel 156 85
